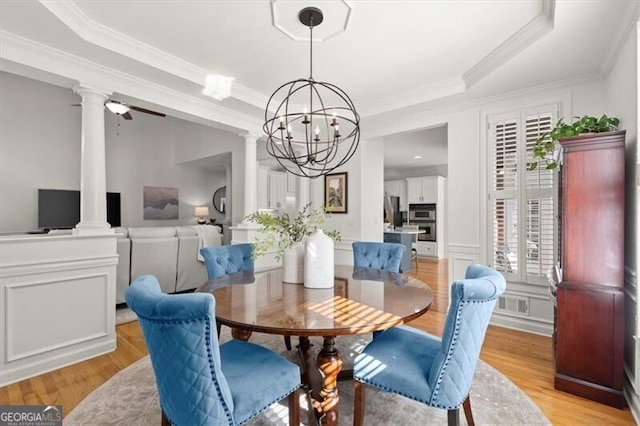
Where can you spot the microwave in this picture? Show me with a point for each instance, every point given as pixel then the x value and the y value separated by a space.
pixel 422 212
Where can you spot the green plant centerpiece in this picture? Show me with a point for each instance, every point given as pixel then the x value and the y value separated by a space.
pixel 284 231
pixel 543 151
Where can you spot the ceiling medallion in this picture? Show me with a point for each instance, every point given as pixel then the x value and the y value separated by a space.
pixel 314 128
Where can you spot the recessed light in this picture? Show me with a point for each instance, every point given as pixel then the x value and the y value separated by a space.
pixel 417 157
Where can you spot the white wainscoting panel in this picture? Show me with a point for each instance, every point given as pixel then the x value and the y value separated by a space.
pixel 67 310
pixel 57 294
pixel 461 256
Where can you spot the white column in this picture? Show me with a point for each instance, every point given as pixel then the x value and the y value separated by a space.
pixel 93 178
pixel 302 192
pixel 229 193
pixel 250 174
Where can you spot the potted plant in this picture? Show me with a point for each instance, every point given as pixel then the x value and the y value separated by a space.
pixel 287 233
pixel 544 150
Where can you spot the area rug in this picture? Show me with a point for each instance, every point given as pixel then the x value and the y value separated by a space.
pixel 130 397
pixel 125 315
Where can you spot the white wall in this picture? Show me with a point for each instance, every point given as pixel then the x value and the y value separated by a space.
pixel 203 142
pixel 467 176
pixel 40 148
pixel 622 102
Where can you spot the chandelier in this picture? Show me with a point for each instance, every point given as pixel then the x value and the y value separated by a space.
pixel 312 127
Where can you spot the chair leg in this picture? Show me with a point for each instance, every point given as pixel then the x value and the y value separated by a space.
pixel 287 342
pixel 453 417
pixel 358 403
pixel 218 328
pixel 467 411
pixel 294 408
pixel 165 421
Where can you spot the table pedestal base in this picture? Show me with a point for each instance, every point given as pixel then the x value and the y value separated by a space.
pixel 320 377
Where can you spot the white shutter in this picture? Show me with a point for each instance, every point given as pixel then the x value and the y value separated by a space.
pixel 536 125
pixel 505 235
pixel 505 155
pixel 522 202
pixel 540 235
pixel 504 186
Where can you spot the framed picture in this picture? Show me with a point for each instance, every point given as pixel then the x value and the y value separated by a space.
pixel 340 287
pixel 336 192
pixel 160 203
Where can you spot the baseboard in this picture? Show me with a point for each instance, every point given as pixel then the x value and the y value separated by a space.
pixel 592 391
pixel 25 371
pixel 529 325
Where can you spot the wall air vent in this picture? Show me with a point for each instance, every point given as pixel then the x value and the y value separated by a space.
pixel 514 304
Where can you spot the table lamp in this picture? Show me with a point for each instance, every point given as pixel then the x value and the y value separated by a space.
pixel 202 212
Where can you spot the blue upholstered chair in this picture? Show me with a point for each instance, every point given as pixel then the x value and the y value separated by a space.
pixel 199 381
pixel 223 260
pixel 384 256
pixel 428 369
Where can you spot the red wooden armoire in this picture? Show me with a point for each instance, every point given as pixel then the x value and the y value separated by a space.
pixel 589 324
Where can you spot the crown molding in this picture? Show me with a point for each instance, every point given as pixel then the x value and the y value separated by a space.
pixel 90 74
pixel 416 96
pixel 429 116
pixel 541 24
pixel 95 33
pixel 631 21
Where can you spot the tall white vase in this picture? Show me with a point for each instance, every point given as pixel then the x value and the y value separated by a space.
pixel 318 261
pixel 293 264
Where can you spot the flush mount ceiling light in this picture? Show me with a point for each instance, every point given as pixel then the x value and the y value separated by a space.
pixel 312 127
pixel 218 86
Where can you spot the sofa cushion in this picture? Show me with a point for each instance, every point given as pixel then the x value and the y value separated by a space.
pixel 151 232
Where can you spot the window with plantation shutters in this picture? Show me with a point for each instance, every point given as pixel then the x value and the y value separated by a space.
pixel 522 203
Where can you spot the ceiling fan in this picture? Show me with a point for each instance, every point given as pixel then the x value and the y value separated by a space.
pixel 122 109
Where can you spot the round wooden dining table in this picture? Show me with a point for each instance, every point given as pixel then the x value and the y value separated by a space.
pixel 362 300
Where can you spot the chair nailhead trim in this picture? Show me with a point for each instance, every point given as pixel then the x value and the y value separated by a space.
pixel 214 377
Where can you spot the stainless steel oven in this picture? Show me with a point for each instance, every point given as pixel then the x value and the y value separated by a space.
pixel 424 216
pixel 429 228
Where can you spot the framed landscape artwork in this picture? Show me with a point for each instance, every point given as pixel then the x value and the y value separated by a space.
pixel 160 203
pixel 335 192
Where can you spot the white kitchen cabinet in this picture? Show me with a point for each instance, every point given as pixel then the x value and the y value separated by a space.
pixel 263 187
pixel 397 188
pixel 427 248
pixel 291 184
pixel 277 190
pixel 423 190
pixel 272 189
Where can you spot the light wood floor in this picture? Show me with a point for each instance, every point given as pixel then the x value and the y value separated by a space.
pixel 524 358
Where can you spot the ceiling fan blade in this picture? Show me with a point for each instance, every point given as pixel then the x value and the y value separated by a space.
pixel 126 116
pixel 146 111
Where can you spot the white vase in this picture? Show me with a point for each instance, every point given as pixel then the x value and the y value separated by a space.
pixel 293 264
pixel 318 261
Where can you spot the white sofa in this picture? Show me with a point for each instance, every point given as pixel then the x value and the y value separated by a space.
pixel 169 253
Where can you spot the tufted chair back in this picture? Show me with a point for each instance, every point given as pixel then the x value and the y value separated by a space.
pixel 199 381
pixel 432 370
pixel 384 256
pixel 472 303
pixel 184 353
pixel 223 260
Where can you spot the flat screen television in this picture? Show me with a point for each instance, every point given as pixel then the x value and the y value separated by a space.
pixel 60 208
